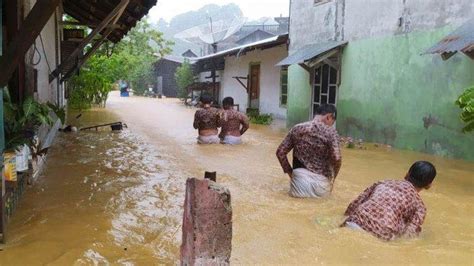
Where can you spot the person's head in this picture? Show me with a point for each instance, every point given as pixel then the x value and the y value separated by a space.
pixel 228 102
pixel 327 113
pixel 205 99
pixel 421 174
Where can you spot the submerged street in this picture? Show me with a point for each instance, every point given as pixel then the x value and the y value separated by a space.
pixel 117 198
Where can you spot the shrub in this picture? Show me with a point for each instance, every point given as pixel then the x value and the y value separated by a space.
pixel 261 119
pixel 184 77
pixel 466 103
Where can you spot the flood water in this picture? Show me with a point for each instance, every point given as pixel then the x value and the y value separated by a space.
pixel 117 198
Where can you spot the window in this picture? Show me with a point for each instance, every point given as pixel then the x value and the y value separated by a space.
pixel 324 86
pixel 283 85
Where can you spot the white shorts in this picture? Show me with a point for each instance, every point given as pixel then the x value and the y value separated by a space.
pixel 306 184
pixel 353 226
pixel 212 139
pixel 232 140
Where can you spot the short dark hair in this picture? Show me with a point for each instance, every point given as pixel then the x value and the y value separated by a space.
pixel 324 109
pixel 421 174
pixel 228 101
pixel 205 99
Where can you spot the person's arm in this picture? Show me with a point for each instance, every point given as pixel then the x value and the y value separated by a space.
pixel 196 120
pixel 416 220
pixel 360 199
pixel 219 121
pixel 244 120
pixel 285 147
pixel 335 150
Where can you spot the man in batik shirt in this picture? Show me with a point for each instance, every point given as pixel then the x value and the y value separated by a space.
pixel 233 123
pixel 206 121
pixel 316 155
pixel 392 209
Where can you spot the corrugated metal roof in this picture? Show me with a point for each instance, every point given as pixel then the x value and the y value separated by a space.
pixel 309 52
pixel 273 40
pixel 174 58
pixel 92 12
pixel 461 40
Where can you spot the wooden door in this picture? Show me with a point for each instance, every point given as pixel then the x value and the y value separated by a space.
pixel 254 90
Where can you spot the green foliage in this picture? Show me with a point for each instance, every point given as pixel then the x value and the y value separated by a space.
pixel 60 111
pixel 23 120
pixel 131 59
pixel 184 77
pixel 137 54
pixel 256 118
pixel 92 85
pixel 466 103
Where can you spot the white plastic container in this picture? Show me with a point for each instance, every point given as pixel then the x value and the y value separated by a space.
pixel 22 158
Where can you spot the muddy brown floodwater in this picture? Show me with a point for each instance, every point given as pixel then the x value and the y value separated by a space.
pixel 117 198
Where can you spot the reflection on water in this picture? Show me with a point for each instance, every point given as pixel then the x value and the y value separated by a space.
pixel 117 198
pixel 104 198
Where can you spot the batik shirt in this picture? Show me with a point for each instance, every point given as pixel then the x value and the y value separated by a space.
pixel 206 118
pixel 230 120
pixel 315 145
pixel 388 209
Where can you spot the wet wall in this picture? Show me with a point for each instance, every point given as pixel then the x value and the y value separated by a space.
pixel 392 94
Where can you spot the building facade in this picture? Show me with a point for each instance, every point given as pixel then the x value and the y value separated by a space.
pixel 165 70
pixel 249 74
pixel 264 81
pixel 365 56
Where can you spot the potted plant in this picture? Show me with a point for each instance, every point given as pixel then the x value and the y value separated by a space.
pixel 22 122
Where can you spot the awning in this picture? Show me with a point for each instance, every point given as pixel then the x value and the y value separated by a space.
pixel 92 12
pixel 461 40
pixel 311 51
pixel 262 44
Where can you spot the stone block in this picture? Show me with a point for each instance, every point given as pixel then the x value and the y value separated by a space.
pixel 207 224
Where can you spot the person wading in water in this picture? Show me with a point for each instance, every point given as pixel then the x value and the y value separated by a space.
pixel 234 123
pixel 316 155
pixel 393 208
pixel 206 121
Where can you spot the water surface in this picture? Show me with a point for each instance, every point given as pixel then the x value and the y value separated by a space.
pixel 117 198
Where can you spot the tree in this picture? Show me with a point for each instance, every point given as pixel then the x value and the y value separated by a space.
pixel 131 59
pixel 142 47
pixel 466 103
pixel 184 77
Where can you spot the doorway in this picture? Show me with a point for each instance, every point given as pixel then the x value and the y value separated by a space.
pixel 254 89
pixel 325 86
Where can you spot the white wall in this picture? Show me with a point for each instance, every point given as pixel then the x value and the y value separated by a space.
pixel 310 23
pixel 269 79
pixel 47 92
pixel 360 19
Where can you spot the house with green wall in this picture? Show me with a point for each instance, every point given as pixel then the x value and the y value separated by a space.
pixel 368 58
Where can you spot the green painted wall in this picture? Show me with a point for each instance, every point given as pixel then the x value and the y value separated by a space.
pixel 392 94
pixel 299 95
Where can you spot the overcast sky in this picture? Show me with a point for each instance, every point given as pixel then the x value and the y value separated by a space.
pixel 252 9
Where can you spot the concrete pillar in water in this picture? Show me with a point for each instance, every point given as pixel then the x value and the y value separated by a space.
pixel 207 224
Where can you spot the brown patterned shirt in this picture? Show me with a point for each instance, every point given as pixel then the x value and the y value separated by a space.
pixel 230 120
pixel 315 147
pixel 206 118
pixel 388 209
